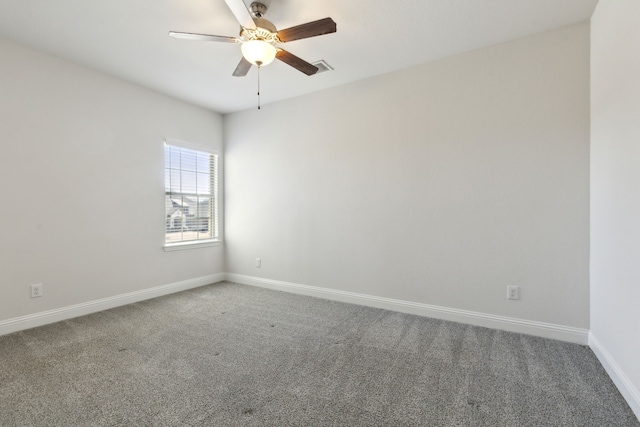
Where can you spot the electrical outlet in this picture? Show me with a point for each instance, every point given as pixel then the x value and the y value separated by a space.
pixel 513 292
pixel 258 262
pixel 36 290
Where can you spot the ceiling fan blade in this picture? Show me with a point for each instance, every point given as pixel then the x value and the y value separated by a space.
pixel 297 63
pixel 240 11
pixel 310 29
pixel 243 68
pixel 202 37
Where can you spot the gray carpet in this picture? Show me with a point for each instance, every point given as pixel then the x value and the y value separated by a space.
pixel 233 355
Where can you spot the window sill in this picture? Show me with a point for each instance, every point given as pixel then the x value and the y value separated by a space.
pixel 169 247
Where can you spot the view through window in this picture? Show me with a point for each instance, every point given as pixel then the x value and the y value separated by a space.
pixel 190 195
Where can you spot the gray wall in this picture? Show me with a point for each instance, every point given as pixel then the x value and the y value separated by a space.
pixel 615 192
pixel 82 183
pixel 439 184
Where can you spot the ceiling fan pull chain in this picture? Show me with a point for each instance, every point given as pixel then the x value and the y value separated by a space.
pixel 259 66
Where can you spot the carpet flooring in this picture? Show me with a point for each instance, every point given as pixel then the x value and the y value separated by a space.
pixel 234 355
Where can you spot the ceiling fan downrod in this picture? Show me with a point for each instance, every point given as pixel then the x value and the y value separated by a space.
pixel 258 9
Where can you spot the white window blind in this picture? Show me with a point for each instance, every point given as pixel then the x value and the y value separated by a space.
pixel 191 202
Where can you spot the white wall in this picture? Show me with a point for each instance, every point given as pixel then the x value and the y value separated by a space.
pixel 615 192
pixel 82 184
pixel 439 184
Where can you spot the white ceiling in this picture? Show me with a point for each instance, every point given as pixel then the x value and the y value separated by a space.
pixel 128 39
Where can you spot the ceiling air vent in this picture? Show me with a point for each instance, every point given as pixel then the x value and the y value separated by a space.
pixel 322 66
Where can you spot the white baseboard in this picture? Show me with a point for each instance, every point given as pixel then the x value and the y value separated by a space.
pixel 540 329
pixel 626 387
pixel 64 313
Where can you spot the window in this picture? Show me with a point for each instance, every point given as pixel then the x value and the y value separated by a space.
pixel 191 202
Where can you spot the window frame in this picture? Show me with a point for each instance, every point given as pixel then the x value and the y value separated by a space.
pixel 214 194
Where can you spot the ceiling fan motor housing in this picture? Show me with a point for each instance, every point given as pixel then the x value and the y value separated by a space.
pixel 267 25
pixel 264 31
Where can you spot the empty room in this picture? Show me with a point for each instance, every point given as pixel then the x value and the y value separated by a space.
pixel 280 212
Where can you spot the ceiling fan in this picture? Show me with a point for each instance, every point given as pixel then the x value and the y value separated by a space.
pixel 260 38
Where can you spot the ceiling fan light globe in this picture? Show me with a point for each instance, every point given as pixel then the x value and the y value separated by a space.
pixel 258 52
